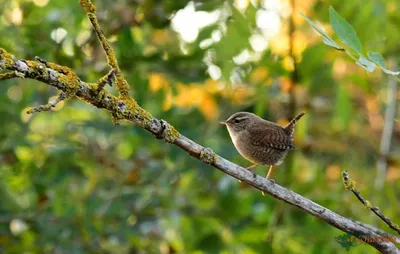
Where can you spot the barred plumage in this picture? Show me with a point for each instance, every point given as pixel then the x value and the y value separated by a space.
pixel 260 141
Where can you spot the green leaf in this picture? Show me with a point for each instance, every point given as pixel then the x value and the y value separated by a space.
pixel 326 39
pixel 344 30
pixel 377 58
pixel 366 64
pixel 331 43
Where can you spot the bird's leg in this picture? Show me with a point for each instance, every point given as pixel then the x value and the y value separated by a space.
pixel 269 173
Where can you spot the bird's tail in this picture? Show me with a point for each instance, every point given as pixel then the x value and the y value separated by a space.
pixel 290 127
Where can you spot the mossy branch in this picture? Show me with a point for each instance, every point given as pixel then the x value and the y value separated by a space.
pixel 122 84
pixel 350 184
pixel 64 79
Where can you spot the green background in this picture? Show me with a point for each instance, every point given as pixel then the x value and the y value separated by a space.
pixel 72 182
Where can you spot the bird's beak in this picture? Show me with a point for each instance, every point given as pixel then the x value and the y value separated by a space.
pixel 223 122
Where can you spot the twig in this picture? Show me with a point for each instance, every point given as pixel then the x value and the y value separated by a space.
pixel 106 80
pixel 351 185
pixel 51 104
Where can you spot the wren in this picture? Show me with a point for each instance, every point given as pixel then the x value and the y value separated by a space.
pixel 260 141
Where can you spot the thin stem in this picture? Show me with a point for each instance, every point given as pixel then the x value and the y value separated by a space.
pixel 350 184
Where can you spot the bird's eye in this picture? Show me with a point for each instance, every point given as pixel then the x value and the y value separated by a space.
pixel 237 120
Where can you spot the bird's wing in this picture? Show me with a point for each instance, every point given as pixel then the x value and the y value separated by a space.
pixel 273 136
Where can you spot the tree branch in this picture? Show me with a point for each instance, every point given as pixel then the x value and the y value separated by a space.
pixel 351 185
pixel 124 107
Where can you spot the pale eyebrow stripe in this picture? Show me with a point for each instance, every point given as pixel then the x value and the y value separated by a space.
pixel 240 118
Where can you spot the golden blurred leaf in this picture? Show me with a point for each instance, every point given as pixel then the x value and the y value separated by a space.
pixel 303 8
pixel 157 81
pixel 280 44
pixel 160 37
pixel 209 108
pixel 286 84
pixel 288 63
pixel 211 86
pixel 393 174
pixel 373 108
pixel 300 43
pixel 238 95
pixel 339 68
pixel 198 95
pixel 333 172
pixel 168 100
pixel 259 75
pixel 188 95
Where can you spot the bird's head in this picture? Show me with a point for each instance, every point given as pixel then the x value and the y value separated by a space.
pixel 239 121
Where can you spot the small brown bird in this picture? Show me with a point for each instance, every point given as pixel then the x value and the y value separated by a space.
pixel 260 141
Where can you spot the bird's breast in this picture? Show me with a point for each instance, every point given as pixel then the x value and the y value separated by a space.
pixel 243 146
pixel 257 154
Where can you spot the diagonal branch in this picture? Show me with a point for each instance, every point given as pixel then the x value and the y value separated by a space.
pixel 122 85
pixel 128 109
pixel 350 185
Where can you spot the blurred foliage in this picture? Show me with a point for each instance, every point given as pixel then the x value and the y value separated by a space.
pixel 71 182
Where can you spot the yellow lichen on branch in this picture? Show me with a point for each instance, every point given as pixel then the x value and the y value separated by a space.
pixel 122 84
pixel 348 183
pixel 64 79
pixel 7 60
pixel 8 75
pixel 87 6
pixel 69 78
